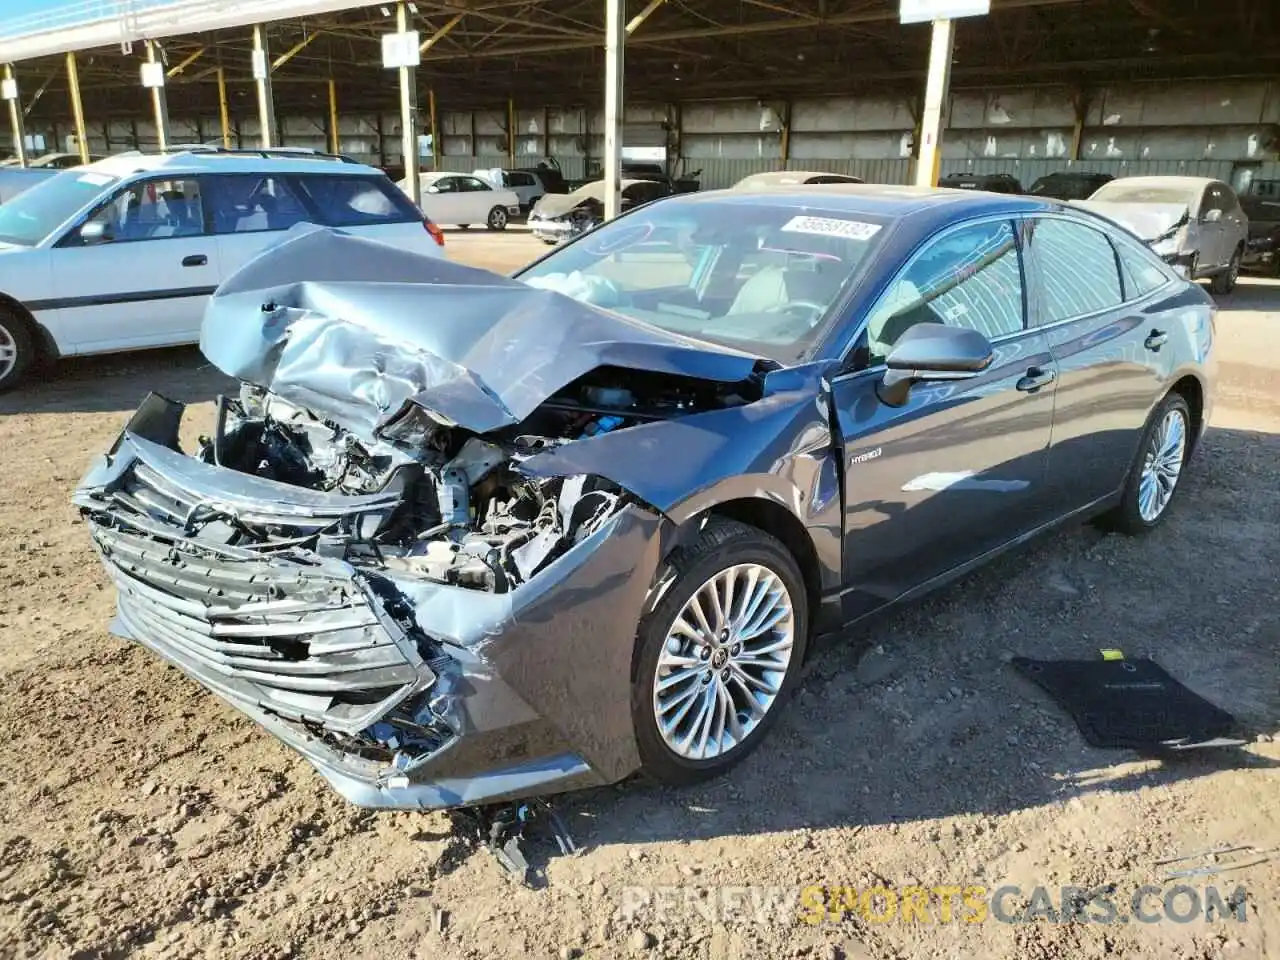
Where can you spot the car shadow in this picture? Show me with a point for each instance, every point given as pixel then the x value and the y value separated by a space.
pixel 116 382
pixel 918 715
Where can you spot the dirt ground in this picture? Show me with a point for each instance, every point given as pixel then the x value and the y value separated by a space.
pixel 140 816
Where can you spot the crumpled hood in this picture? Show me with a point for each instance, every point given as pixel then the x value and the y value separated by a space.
pixel 557 204
pixel 356 330
pixel 1150 221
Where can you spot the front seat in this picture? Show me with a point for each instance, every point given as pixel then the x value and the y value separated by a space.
pixel 763 292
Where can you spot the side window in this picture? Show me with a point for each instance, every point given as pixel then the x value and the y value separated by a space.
pixel 1212 199
pixel 353 201
pixel 971 277
pixel 1141 270
pixel 446 185
pixel 1229 201
pixel 473 185
pixel 1077 269
pixel 520 180
pixel 251 203
pixel 152 210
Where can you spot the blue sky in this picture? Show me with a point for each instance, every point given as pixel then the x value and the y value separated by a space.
pixel 12 9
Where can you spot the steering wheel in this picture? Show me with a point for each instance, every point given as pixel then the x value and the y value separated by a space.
pixel 815 310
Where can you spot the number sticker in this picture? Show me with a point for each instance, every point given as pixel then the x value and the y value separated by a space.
pixel 831 227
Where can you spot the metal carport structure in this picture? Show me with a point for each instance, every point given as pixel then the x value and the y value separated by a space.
pixel 482 52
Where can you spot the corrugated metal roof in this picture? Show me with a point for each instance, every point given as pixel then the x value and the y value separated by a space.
pixel 86 24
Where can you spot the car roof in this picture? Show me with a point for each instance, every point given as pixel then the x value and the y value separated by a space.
pixel 192 162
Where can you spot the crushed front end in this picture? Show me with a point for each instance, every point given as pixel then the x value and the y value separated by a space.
pixel 366 556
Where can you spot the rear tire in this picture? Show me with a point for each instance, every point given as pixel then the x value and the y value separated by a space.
pixel 1224 282
pixel 1155 476
pixel 497 219
pixel 731 679
pixel 17 349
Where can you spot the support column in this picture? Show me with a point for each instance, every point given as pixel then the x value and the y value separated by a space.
pixel 409 113
pixel 159 102
pixel 435 129
pixel 77 108
pixel 1081 104
pixel 15 115
pixel 511 131
pixel 224 111
pixel 935 100
pixel 335 142
pixel 262 77
pixel 615 33
pixel 785 144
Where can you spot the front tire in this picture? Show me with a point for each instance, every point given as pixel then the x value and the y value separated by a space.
pixel 497 219
pixel 1155 476
pixel 1225 281
pixel 720 654
pixel 17 349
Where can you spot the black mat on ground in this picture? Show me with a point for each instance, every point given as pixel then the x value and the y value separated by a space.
pixel 1130 704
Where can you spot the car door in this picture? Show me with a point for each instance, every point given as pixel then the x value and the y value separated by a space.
pixel 959 468
pixel 1234 221
pixel 249 211
pixel 142 271
pixel 1212 229
pixel 1107 350
pixel 443 202
pixel 479 198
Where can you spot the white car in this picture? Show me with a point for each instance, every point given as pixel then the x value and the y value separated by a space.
pixel 462 200
pixel 525 184
pixel 123 254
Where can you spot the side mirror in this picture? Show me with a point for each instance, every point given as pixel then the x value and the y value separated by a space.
pixel 93 232
pixel 1212 216
pixel 931 352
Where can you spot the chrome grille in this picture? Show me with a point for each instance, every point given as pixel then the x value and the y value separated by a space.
pixel 305 639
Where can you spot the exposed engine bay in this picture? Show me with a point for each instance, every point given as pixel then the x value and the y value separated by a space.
pixel 467 515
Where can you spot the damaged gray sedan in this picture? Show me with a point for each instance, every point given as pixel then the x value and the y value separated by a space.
pixel 462 538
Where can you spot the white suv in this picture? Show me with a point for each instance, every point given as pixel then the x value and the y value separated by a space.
pixel 123 254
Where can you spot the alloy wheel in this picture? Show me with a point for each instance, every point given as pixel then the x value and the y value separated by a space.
pixel 8 352
pixel 1162 465
pixel 498 218
pixel 724 661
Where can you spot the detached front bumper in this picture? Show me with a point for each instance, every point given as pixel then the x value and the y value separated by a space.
pixel 403 693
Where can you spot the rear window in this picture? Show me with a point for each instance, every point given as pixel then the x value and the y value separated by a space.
pixel 353 201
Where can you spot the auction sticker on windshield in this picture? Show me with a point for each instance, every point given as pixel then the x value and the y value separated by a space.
pixel 832 227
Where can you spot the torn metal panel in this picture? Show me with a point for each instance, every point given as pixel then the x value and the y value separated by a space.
pixel 384 330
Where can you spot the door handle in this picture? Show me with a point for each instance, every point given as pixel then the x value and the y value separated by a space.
pixel 195 260
pixel 1036 378
pixel 1155 340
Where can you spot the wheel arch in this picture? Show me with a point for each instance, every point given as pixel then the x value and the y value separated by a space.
pixel 46 347
pixel 780 523
pixel 1191 390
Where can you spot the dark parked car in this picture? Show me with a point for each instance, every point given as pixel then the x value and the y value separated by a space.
pixel 465 537
pixel 1260 202
pixel 991 182
pixel 557 217
pixel 1069 185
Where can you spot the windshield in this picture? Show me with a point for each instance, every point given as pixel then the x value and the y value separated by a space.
pixel 33 214
pixel 757 277
pixel 1117 191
